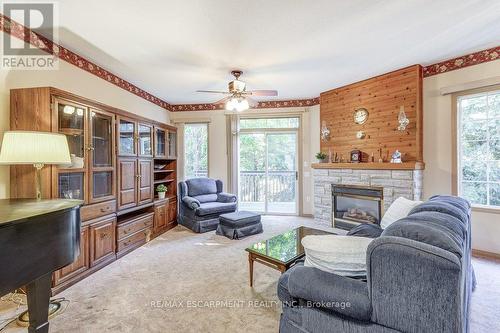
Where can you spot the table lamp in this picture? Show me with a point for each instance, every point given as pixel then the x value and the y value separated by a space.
pixel 37 148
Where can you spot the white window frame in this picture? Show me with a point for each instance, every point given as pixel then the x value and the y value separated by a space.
pixel 206 123
pixel 456 142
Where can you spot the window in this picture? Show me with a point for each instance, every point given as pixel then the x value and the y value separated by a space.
pixel 195 150
pixel 269 123
pixel 478 138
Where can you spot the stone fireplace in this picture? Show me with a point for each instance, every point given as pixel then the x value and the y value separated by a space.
pixel 392 183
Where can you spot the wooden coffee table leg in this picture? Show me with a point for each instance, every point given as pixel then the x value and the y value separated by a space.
pixel 250 264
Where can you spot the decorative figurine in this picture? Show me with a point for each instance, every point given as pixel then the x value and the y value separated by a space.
pixel 396 157
pixel 325 131
pixel 402 119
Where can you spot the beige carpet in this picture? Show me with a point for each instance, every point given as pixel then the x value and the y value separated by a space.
pixel 187 282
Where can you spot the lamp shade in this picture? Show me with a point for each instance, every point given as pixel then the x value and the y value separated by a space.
pixel 25 147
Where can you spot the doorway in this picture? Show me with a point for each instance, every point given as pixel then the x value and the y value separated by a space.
pixel 268 172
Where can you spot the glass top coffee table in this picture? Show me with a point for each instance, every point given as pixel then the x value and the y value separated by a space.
pixel 282 251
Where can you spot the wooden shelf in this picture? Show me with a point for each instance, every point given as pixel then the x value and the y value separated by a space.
pixel 159 181
pixel 371 166
pixel 160 171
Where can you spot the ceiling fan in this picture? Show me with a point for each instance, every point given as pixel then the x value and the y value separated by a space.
pixel 238 98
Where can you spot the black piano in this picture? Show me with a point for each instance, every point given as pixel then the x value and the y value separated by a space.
pixel 37 237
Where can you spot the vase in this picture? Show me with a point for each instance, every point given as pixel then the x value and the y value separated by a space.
pixel 161 195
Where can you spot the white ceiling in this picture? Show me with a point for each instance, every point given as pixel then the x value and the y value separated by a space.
pixel 299 47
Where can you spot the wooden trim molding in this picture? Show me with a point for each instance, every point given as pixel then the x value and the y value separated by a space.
pixel 463 61
pixel 485 254
pixel 18 30
pixel 371 166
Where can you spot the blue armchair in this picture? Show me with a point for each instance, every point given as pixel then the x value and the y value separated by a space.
pixel 201 201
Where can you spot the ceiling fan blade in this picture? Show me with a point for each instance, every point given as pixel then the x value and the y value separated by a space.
pixel 222 101
pixel 264 92
pixel 214 92
pixel 252 102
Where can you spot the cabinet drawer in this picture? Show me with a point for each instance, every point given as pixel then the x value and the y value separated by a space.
pixel 130 227
pixel 90 212
pixel 139 237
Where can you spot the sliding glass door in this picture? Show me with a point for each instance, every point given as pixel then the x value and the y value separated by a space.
pixel 268 171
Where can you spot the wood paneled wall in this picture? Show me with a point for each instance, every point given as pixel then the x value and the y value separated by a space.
pixel 382 96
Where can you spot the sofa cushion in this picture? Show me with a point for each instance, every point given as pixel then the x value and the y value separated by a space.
pixel 199 186
pixel 400 208
pixel 206 198
pixel 366 230
pixel 209 208
pixel 341 255
pixel 443 207
pixel 426 230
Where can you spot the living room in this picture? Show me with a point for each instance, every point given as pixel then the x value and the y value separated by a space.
pixel 308 167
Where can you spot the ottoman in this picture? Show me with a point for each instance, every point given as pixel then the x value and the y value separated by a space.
pixel 238 225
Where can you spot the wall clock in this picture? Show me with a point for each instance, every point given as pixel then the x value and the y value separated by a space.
pixel 360 116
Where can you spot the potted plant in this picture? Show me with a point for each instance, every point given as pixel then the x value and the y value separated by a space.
pixel 161 190
pixel 322 158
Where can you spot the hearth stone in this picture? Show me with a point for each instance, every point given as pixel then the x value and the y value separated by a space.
pixel 396 183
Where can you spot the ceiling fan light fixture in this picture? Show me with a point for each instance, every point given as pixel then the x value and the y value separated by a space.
pixel 237 104
pixel 242 105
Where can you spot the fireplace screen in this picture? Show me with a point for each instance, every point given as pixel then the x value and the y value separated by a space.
pixel 353 205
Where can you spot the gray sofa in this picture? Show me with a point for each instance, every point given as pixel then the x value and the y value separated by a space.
pixel 201 201
pixel 419 279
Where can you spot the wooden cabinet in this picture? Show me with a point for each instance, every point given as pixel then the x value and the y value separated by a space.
pixel 80 265
pixel 135 182
pixel 145 181
pixel 134 138
pixel 102 156
pixel 161 216
pixel 90 135
pixel 172 145
pixel 172 211
pixel 160 142
pixel 127 183
pixel 102 241
pixel 113 157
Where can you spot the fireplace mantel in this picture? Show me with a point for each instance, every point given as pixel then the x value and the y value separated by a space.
pixel 371 166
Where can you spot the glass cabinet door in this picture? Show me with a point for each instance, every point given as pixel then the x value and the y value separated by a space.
pixel 126 130
pixel 160 142
pixel 71 185
pixel 172 144
pixel 145 140
pixel 101 158
pixel 71 122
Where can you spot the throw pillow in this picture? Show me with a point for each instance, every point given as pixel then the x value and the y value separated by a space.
pixel 341 255
pixel 399 209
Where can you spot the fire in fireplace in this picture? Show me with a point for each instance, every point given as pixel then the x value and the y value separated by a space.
pixel 353 205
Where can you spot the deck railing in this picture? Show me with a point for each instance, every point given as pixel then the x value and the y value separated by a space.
pixel 281 186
